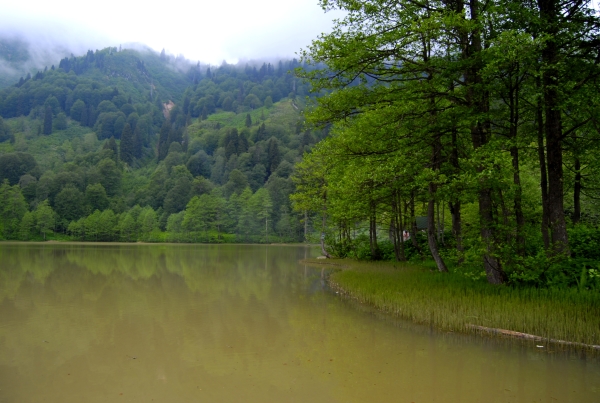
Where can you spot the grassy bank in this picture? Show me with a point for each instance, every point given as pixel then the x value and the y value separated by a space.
pixel 453 302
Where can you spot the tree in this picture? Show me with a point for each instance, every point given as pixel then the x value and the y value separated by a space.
pixel 217 205
pixel 471 83
pixel 107 225
pixel 163 145
pixel 197 216
pixel 199 164
pixel 273 156
pixel 69 204
pixel 312 190
pixel 14 165
pixel 179 195
pixel 96 198
pixel 147 222
pixel 268 102
pixel 44 218
pixel 261 206
pixel 12 209
pixel 175 225
pixel 91 225
pixel 127 150
pixel 137 143
pixel 127 227
pixel 77 111
pixel 48 121
pixel 109 176
pixel 236 184
pixel 27 226
pixel 111 144
pixel 244 213
pixel 60 123
pixel 5 132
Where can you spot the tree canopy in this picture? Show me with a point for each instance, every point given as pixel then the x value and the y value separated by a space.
pixel 464 105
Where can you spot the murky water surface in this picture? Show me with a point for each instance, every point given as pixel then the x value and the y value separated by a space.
pixel 208 323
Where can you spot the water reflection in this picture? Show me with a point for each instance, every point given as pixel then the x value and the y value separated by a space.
pixel 236 323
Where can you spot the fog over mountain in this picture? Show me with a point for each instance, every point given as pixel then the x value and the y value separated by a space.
pixel 28 47
pixel 205 32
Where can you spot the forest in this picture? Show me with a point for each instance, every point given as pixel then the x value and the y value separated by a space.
pixel 471 126
pixel 461 133
pixel 132 145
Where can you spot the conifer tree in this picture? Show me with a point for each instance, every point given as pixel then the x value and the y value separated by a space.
pixel 260 133
pixel 163 146
pixel 137 143
pixel 127 145
pixel 111 144
pixel 48 121
pixel 273 156
pixel 242 143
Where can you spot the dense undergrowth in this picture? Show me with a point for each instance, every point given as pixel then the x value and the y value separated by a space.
pixel 536 269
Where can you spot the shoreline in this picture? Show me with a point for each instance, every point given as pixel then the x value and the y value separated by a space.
pixel 70 242
pixel 559 317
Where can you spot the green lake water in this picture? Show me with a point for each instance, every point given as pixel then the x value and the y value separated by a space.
pixel 239 323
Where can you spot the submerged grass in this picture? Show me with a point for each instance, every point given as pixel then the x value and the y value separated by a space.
pixel 452 302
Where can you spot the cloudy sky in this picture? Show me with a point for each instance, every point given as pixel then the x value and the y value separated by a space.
pixel 208 31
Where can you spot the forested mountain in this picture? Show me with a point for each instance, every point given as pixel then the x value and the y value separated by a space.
pixel 123 144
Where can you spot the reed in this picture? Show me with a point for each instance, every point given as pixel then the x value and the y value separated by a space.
pixel 452 302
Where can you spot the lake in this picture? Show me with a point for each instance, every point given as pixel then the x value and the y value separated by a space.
pixel 240 323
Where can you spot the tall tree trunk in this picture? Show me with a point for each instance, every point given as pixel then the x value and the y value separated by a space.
pixel 549 12
pixel 518 202
pixel 431 236
pixel 479 102
pixel 455 205
pixel 577 192
pixel 457 230
pixel 305 225
pixel 514 152
pixel 323 223
pixel 397 227
pixel 413 226
pixel 373 231
pixel 431 216
pixel 543 174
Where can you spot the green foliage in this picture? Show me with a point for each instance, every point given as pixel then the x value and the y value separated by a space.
pixel 12 209
pixel 461 105
pixel 5 132
pixel 585 241
pixel 48 121
pixel 60 123
pixel 15 165
pixel 111 146
pixel 44 218
pixel 126 152
pixel 579 271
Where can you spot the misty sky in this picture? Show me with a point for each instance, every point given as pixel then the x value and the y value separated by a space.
pixel 208 31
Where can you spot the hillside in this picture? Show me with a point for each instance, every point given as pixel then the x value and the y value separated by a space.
pixel 122 144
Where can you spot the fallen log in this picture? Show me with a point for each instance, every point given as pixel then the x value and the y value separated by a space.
pixel 527 336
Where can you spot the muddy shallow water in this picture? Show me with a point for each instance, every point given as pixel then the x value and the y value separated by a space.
pixel 232 323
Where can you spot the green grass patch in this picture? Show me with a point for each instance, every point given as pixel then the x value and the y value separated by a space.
pixel 238 120
pixel 451 302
